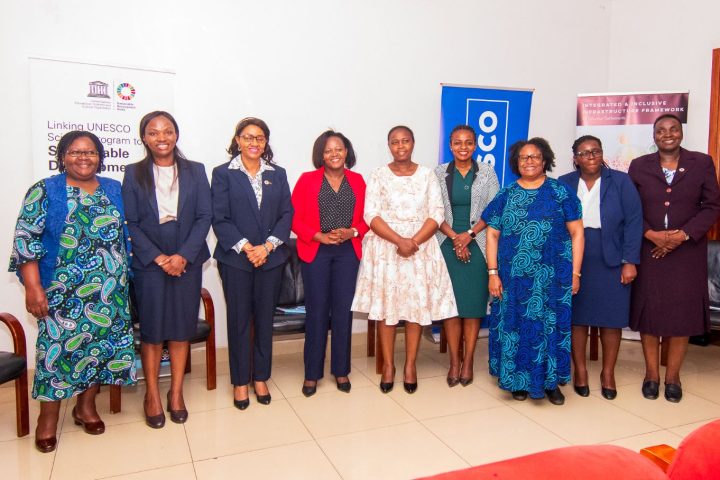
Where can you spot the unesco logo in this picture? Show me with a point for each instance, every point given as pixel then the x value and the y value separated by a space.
pixel 490 118
pixel 125 91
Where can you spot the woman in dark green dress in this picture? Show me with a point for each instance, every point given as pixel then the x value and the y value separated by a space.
pixel 467 187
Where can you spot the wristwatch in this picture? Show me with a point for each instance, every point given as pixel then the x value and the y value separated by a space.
pixel 355 232
pixel 472 233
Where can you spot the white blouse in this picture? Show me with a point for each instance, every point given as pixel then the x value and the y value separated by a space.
pixel 590 201
pixel 166 192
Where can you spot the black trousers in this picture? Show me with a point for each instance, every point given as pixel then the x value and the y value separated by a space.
pixel 250 297
pixel 329 282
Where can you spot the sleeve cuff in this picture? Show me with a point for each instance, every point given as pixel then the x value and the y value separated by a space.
pixel 239 246
pixel 276 242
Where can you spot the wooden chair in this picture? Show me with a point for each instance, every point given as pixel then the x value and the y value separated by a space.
pixel 205 333
pixel 13 366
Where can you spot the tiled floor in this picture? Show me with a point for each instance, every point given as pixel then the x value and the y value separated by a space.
pixel 364 434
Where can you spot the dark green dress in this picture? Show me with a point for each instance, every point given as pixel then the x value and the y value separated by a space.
pixel 469 280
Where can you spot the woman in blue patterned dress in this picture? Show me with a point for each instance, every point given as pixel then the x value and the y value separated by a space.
pixel 70 251
pixel 534 254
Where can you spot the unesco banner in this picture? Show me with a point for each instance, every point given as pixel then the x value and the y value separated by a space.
pixel 499 116
pixel 624 121
pixel 108 101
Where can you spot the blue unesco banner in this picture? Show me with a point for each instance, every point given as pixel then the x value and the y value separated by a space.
pixel 500 118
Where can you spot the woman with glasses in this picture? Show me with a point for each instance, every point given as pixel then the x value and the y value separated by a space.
pixel 680 203
pixel 252 215
pixel 612 217
pixel 329 204
pixel 402 273
pixel 534 255
pixel 71 253
pixel 467 187
pixel 167 202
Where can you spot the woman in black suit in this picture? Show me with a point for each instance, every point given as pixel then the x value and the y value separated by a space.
pixel 168 211
pixel 252 215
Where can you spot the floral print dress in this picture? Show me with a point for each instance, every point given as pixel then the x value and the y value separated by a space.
pixel 393 288
pixel 529 339
pixel 86 339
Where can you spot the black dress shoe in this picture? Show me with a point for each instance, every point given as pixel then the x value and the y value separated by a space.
pixel 177 416
pixel 555 396
pixel 155 421
pixel 410 387
pixel 93 428
pixel 582 390
pixel 465 381
pixel 343 386
pixel 650 389
pixel 386 387
pixel 46 445
pixel 673 392
pixel 519 395
pixel 263 399
pixel 453 381
pixel 309 390
pixel 608 393
pixel 241 404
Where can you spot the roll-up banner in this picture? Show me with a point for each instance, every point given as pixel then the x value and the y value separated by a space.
pixel 106 100
pixel 623 121
pixel 500 116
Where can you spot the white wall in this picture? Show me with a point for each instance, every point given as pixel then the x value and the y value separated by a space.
pixel 665 45
pixel 357 66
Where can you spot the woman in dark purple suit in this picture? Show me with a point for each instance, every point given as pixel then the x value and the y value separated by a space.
pixel 680 202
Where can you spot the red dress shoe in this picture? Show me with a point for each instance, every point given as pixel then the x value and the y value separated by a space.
pixel 93 428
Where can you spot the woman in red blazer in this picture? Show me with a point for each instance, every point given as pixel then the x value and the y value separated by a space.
pixel 328 222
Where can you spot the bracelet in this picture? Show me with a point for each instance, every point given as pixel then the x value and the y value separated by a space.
pixel 472 233
pixel 577 274
pixel 266 249
pixel 492 271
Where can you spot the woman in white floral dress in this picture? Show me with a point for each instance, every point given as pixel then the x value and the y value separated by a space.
pixel 402 273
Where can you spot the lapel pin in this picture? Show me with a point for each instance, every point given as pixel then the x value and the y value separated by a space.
pixel 682 169
pixel 267 182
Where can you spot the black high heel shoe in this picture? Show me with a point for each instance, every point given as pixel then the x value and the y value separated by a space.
pixel 177 416
pixel 410 387
pixel 607 393
pixel 154 421
pixel 241 404
pixel 386 387
pixel 309 390
pixel 343 386
pixel 263 399
pixel 582 390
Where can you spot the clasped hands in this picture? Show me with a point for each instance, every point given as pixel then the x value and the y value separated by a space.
pixel 665 241
pixel 173 265
pixel 334 237
pixel 258 254
pixel 460 244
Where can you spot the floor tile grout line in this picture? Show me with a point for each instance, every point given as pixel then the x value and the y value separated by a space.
pixel 151 469
pixel 192 458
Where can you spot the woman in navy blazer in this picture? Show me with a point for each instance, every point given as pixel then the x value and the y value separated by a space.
pixel 168 210
pixel 252 215
pixel 612 216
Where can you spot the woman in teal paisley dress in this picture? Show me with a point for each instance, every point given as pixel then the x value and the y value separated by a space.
pixel 70 251
pixel 534 254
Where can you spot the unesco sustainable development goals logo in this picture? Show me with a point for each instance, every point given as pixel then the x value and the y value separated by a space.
pixel 99 96
pixel 126 91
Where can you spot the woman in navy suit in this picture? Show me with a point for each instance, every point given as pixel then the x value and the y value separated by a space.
pixel 612 217
pixel 252 215
pixel 168 210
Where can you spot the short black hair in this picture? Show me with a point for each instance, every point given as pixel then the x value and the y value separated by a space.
pixel 401 127
pixel 667 115
pixel 585 138
pixel 234 148
pixel 459 128
pixel 67 140
pixel 319 149
pixel 548 155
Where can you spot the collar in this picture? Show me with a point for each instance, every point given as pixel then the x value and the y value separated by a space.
pixel 236 164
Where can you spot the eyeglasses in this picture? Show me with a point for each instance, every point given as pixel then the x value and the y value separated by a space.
pixel 258 138
pixel 82 153
pixel 526 158
pixel 595 152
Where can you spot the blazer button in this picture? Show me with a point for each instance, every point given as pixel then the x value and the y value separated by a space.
pixel 669 190
pixel 130 254
pixel 129 239
pixel 667 204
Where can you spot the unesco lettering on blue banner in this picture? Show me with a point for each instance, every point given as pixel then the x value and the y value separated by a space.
pixel 499 117
pixel 489 118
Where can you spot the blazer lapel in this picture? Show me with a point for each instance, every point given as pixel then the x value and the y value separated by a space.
pixel 184 185
pixel 244 182
pixel 268 178
pixel 683 168
pixel 152 197
pixel 606 180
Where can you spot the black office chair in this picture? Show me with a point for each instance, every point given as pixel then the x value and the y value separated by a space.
pixel 13 366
